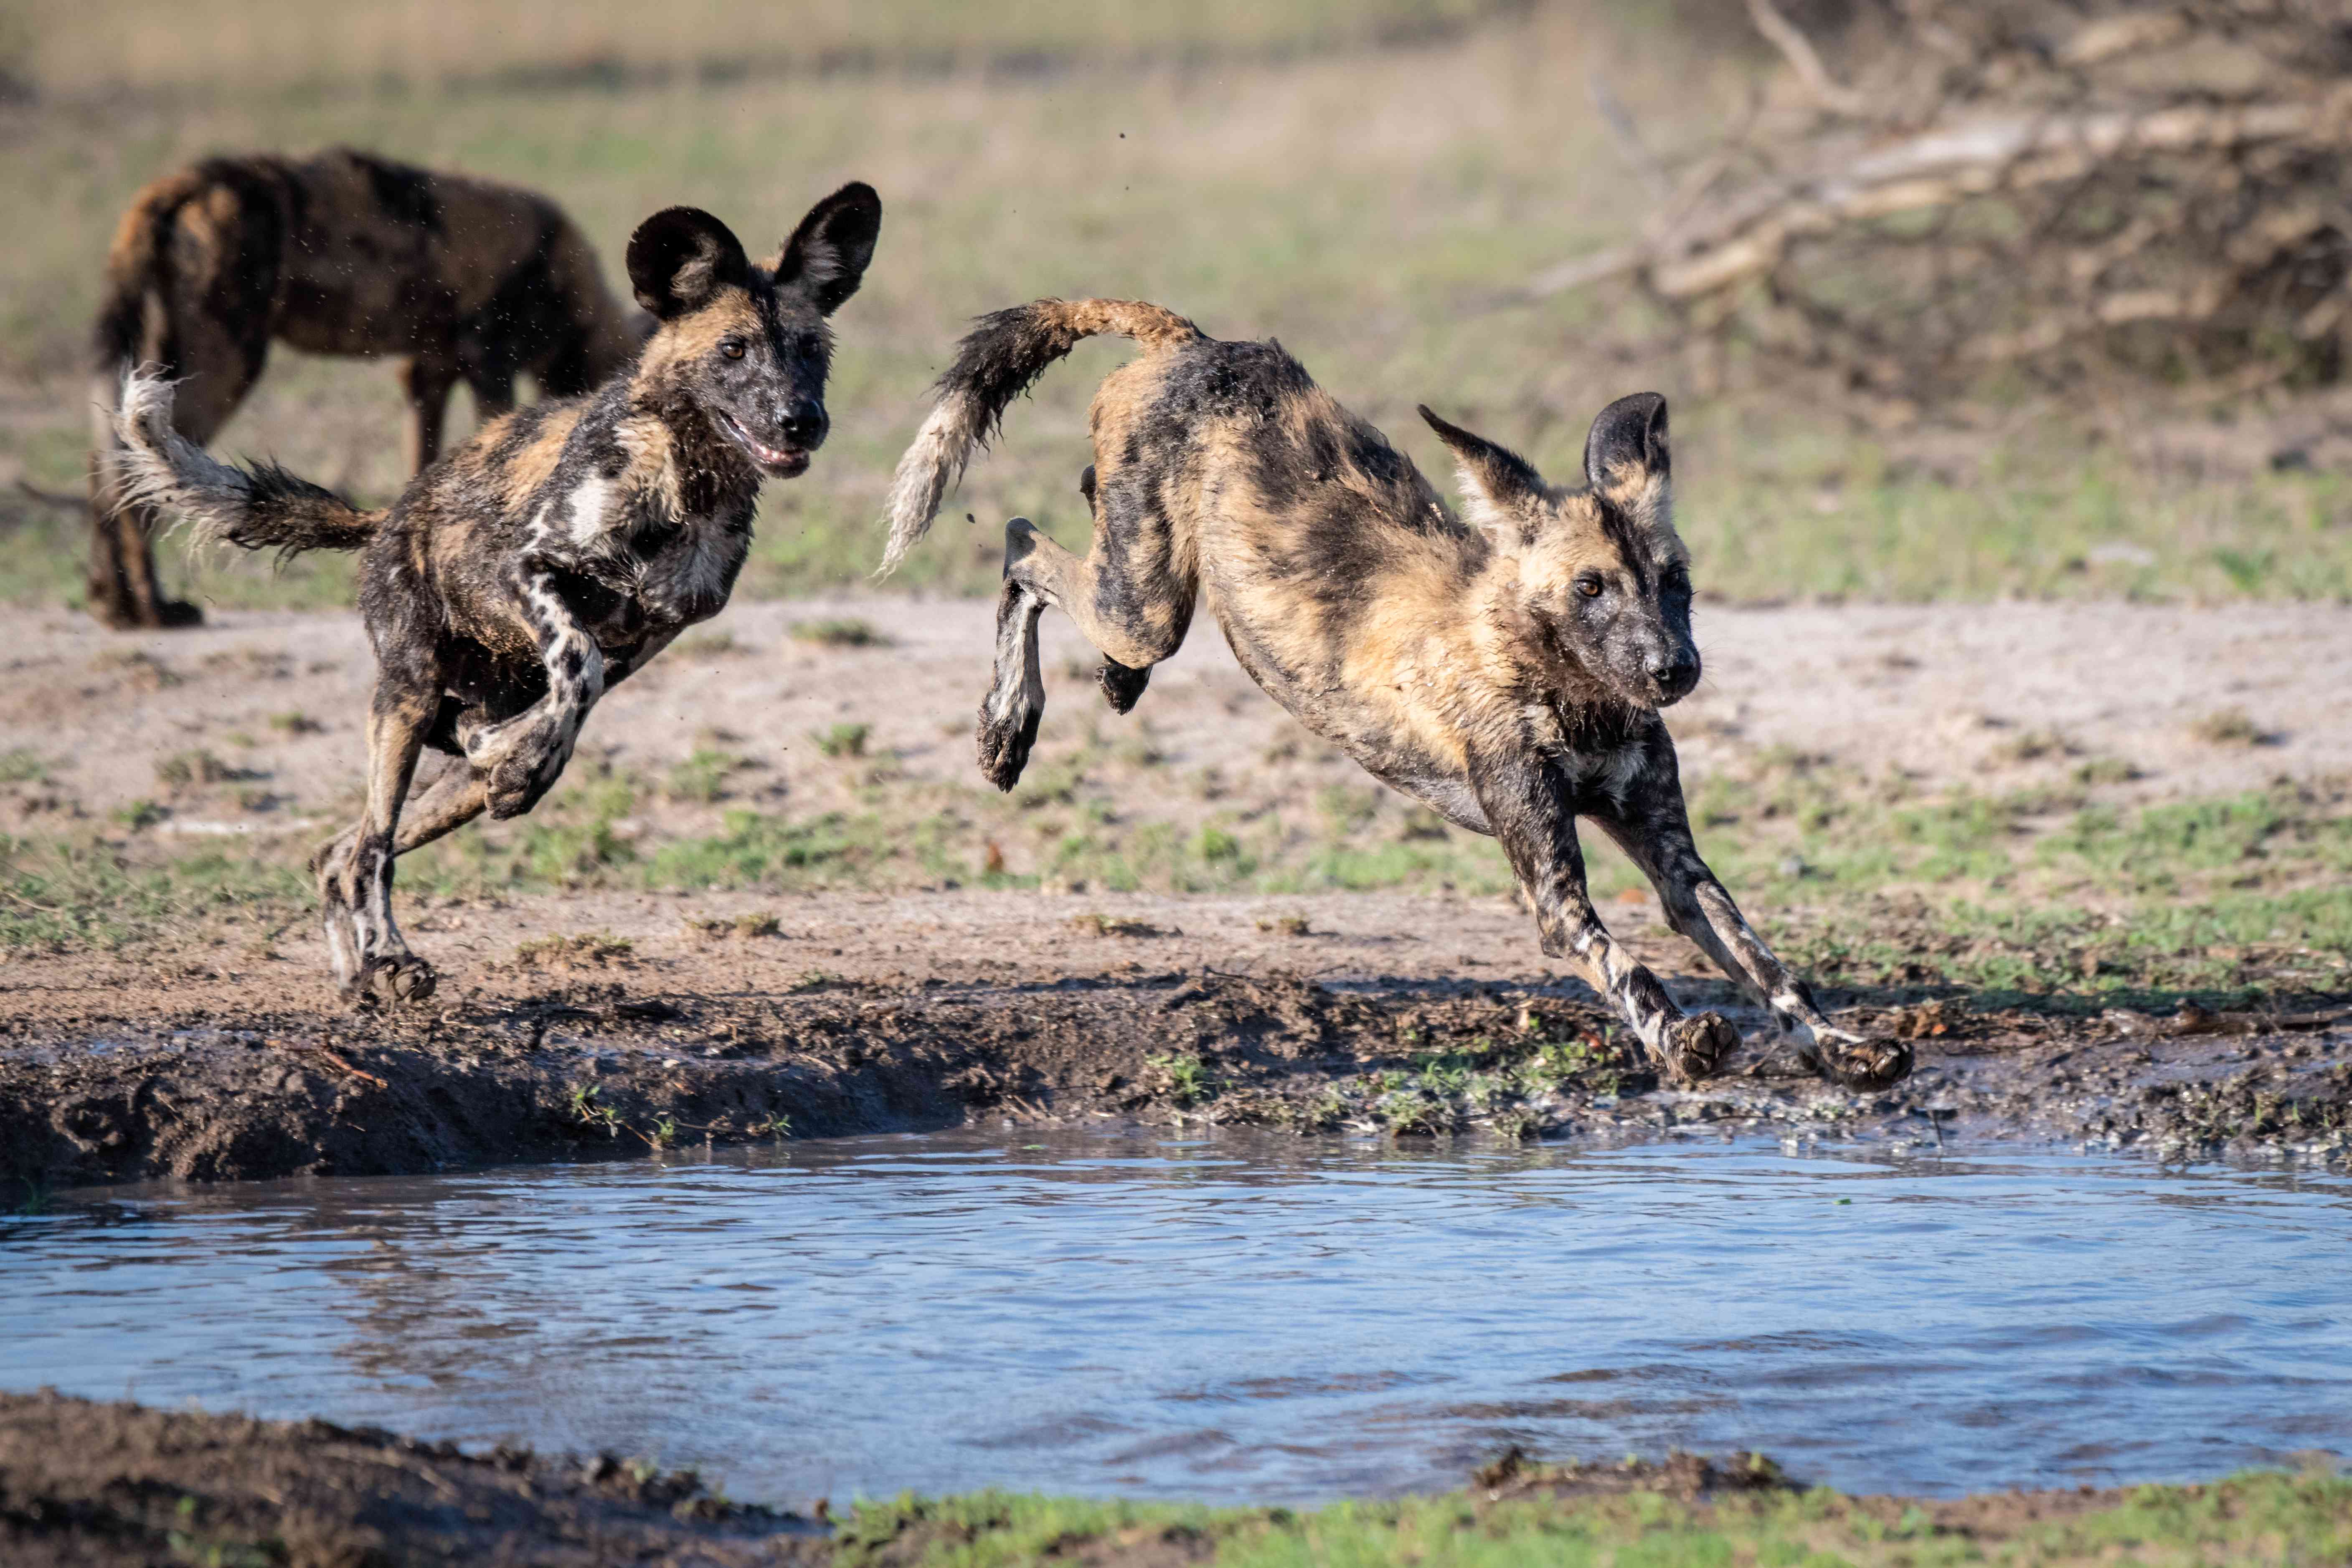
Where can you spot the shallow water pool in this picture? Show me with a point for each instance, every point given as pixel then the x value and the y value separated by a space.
pixel 1242 1317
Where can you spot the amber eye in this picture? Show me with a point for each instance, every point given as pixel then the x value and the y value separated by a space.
pixel 733 348
pixel 1589 586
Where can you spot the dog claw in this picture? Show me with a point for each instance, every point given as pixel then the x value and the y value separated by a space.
pixel 1122 685
pixel 1694 1047
pixel 402 980
pixel 1004 747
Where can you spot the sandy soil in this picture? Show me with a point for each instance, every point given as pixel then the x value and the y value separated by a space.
pixel 1942 692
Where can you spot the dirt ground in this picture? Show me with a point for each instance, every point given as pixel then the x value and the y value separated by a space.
pixel 1940 692
pixel 609 1021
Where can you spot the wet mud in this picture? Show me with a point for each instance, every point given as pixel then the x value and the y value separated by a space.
pixel 102 1484
pixel 206 1080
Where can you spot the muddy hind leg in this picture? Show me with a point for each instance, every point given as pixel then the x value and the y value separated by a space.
pixel 371 960
pixel 451 801
pixel 1122 685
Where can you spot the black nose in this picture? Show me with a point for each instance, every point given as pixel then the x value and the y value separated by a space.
pixel 1675 676
pixel 803 422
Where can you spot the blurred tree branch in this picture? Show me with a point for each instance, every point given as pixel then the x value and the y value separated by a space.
pixel 2165 191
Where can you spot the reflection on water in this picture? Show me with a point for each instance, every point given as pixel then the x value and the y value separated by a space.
pixel 1239 1317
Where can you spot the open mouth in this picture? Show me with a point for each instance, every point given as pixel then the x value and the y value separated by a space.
pixel 784 462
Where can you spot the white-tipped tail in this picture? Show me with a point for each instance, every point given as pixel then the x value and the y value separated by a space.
pixel 156 466
pixel 941 448
pixel 257 507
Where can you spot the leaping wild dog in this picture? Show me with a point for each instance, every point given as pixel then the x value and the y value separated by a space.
pixel 344 253
pixel 517 580
pixel 1508 674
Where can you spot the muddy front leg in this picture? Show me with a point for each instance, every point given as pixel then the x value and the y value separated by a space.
pixel 520 759
pixel 1656 835
pixel 1015 703
pixel 1526 803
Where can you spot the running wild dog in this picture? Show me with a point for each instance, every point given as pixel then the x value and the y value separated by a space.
pixel 517 580
pixel 1507 672
pixel 341 254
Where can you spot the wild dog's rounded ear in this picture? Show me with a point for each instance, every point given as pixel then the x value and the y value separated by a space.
pixel 680 257
pixel 828 254
pixel 1630 431
pixel 1503 486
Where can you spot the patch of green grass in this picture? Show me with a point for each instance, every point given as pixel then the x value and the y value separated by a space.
pixel 848 633
pixel 58 894
pixel 185 770
pixel 1188 1078
pixel 22 764
pixel 842 740
pixel 578 950
pixel 703 775
pixel 2265 1519
pixel 2230 727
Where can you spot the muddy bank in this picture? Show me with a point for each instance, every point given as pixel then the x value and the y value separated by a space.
pixel 101 1079
pixel 103 1485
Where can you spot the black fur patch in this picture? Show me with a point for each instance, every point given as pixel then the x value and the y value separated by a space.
pixel 400 190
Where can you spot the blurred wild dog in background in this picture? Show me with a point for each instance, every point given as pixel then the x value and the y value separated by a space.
pixel 341 254
pixel 1507 672
pixel 553 554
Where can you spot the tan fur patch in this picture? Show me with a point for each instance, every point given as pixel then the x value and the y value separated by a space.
pixel 530 467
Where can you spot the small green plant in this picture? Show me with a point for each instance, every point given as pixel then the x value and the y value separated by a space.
pixel 589 1110
pixel 1216 844
pixel 183 769
pixel 139 813
pixel 2230 727
pixel 842 740
pixel 581 950
pixel 845 633
pixel 23 765
pixel 775 1124
pixel 1445 1077
pixel 1188 1078
pixel 1413 1115
pixel 294 722
pixel 2105 771
pixel 703 777
pixel 2035 745
pixel 814 980
pixel 1093 924
pixel 665 1133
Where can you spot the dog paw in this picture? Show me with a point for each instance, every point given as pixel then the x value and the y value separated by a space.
pixel 1695 1048
pixel 1122 687
pixel 397 980
pixel 1852 1062
pixel 1004 744
pixel 518 773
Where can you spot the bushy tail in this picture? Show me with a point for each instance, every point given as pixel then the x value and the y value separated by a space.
pixel 260 506
pixel 996 363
